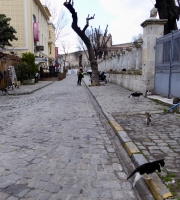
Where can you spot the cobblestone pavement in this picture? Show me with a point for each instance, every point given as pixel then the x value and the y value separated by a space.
pixel 161 140
pixel 53 146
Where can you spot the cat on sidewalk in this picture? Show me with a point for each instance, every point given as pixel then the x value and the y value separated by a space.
pixel 148 118
pixel 135 94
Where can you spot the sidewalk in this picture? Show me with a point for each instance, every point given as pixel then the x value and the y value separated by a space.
pixel 144 143
pixel 28 89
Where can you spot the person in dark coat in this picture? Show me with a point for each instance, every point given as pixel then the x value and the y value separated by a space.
pixel 80 75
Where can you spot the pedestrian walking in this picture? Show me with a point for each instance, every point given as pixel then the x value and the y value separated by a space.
pixel 80 74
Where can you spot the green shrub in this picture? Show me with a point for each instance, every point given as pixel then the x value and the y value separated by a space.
pixel 27 69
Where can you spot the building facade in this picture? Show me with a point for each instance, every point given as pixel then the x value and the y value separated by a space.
pixel 35 33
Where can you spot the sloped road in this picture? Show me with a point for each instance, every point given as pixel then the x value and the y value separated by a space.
pixel 54 146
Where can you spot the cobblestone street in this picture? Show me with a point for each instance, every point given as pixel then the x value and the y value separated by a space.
pixel 54 146
pixel 161 140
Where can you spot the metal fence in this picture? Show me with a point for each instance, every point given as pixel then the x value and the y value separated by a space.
pixel 167 65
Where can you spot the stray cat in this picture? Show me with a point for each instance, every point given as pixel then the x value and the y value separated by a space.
pixel 147 168
pixel 147 93
pixel 4 90
pixel 148 118
pixel 136 94
pixel 16 85
pixel 176 100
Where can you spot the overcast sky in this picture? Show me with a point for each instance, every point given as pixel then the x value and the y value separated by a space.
pixel 123 17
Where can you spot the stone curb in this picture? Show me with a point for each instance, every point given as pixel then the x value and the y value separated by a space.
pixel 159 190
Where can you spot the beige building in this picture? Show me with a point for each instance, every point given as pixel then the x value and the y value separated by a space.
pixel 72 59
pixel 35 33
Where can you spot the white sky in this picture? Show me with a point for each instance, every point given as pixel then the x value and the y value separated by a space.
pixel 123 17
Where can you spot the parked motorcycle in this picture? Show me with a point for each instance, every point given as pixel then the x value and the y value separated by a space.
pixel 102 77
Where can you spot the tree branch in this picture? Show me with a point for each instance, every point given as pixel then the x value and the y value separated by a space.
pixel 77 29
pixel 87 22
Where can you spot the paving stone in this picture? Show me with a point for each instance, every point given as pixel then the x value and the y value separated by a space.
pixel 44 177
pixel 106 194
pixel 23 193
pixel 12 198
pixel 110 150
pixel 13 177
pixel 126 185
pixel 121 175
pixel 162 144
pixel 117 167
pixel 153 148
pixel 5 184
pixel 53 188
pixel 45 196
pixel 95 194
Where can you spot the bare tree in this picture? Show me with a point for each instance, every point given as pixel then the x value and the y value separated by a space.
pixel 61 26
pixel 82 47
pixel 65 46
pixel 137 37
pixel 86 40
pixel 60 21
pixel 99 42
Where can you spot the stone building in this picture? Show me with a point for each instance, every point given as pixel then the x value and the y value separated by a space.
pixel 72 59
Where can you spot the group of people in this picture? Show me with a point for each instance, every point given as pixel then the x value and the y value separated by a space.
pixel 80 74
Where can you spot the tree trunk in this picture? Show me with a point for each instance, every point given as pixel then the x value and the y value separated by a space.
pixel 80 60
pixel 82 35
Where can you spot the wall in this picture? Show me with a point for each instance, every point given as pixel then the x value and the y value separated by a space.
pixel 138 60
pixel 130 59
pixel 51 41
pixel 128 81
pixel 16 11
pixel 21 14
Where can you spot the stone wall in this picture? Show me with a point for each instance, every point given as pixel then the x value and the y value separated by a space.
pixel 128 58
pixel 138 60
pixel 128 81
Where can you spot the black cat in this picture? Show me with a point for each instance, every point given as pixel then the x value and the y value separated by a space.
pixel 147 168
pixel 136 94
pixel 4 90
